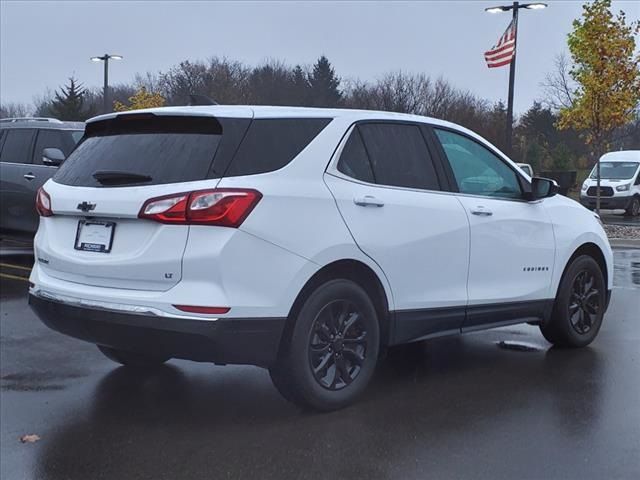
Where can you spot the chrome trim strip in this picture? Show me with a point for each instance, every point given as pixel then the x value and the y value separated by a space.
pixel 113 307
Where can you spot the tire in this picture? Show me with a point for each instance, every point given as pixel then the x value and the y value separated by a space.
pixel 132 359
pixel 579 307
pixel 332 349
pixel 634 207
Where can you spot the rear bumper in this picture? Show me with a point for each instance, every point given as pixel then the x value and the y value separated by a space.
pixel 612 203
pixel 251 341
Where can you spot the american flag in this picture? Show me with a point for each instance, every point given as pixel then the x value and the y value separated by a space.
pixel 503 52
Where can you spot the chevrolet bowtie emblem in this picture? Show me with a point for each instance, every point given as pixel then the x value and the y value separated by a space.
pixel 86 206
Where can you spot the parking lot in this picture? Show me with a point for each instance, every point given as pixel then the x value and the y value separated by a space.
pixel 464 406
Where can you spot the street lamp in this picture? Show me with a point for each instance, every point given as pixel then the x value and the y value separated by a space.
pixel 105 93
pixel 512 67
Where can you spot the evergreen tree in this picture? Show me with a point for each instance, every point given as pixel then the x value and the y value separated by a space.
pixel 68 103
pixel 300 86
pixel 324 84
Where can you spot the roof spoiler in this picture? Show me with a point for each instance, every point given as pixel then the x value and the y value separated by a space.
pixel 200 100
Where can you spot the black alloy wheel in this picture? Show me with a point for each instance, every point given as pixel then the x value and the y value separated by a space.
pixel 330 349
pixel 579 306
pixel 584 305
pixel 338 344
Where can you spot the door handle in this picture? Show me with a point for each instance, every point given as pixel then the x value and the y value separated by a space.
pixel 368 201
pixel 29 176
pixel 481 212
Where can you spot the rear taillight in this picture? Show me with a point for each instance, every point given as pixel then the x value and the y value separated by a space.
pixel 222 207
pixel 43 203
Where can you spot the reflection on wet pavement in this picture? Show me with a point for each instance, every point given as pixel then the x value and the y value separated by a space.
pixel 626 268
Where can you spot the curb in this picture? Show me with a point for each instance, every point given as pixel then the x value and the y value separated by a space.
pixel 622 243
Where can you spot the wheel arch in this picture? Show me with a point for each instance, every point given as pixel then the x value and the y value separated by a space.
pixel 592 250
pixel 349 269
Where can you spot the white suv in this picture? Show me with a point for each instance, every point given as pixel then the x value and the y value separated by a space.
pixel 619 183
pixel 305 241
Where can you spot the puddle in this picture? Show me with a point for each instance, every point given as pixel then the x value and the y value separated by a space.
pixel 36 381
pixel 518 346
pixel 626 268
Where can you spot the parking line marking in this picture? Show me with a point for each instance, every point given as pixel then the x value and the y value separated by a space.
pixel 13 277
pixel 18 267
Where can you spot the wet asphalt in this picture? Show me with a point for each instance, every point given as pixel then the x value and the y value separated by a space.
pixel 489 405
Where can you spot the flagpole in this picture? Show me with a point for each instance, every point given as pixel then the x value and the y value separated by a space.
pixel 492 57
pixel 512 78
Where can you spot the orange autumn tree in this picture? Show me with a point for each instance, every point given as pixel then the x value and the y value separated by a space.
pixel 606 70
pixel 141 99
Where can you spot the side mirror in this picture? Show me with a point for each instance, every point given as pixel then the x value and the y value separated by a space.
pixel 52 157
pixel 542 188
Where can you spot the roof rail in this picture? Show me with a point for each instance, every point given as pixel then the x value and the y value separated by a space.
pixel 29 119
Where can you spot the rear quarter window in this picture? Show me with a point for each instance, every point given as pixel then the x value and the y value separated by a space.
pixel 270 144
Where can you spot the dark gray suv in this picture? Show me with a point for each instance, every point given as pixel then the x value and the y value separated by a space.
pixel 31 149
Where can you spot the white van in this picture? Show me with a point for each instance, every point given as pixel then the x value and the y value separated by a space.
pixel 619 183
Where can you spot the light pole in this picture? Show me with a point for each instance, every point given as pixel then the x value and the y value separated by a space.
pixel 105 92
pixel 512 67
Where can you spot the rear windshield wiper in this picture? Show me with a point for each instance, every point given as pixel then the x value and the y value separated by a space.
pixel 111 177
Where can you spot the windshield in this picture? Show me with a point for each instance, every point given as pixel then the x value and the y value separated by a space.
pixel 616 170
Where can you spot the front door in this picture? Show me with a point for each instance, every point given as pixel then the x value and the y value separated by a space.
pixel 512 241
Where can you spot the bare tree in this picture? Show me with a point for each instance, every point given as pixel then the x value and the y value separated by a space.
pixel 558 86
pixel 14 110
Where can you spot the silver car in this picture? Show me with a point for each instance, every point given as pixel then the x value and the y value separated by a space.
pixel 31 149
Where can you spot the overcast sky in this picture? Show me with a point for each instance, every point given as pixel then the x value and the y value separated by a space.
pixel 43 43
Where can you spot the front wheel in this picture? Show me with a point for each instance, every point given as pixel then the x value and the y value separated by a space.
pixel 579 307
pixel 634 207
pixel 333 348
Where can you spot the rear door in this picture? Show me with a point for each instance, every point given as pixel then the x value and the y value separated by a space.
pixel 95 236
pixel 512 242
pixel 388 190
pixel 17 210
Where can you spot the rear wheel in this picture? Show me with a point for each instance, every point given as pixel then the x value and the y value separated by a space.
pixel 333 348
pixel 634 207
pixel 579 307
pixel 132 359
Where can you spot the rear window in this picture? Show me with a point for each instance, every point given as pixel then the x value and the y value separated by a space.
pixel 270 144
pixel 145 149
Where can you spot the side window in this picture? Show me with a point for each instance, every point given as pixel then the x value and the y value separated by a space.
pixel 477 170
pixel 270 144
pixel 399 155
pixel 638 178
pixel 61 139
pixel 354 161
pixel 17 146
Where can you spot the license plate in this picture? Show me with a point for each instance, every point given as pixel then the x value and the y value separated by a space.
pixel 95 236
